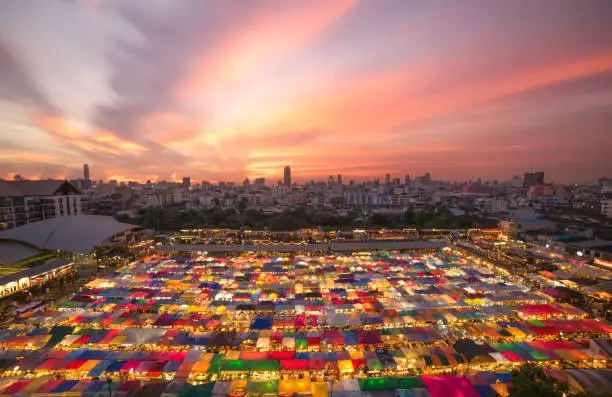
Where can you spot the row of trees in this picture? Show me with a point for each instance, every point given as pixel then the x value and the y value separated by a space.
pixel 234 218
pixel 531 381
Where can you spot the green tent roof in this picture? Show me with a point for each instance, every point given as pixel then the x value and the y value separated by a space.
pixel 538 355
pixel 372 384
pixel 189 390
pixel 374 364
pixel 234 365
pixel 408 382
pixel 250 365
pixel 264 365
pixel 537 323
pixel 506 347
pixel 270 386
pixel 215 364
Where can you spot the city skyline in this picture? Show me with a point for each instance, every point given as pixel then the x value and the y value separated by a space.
pixel 529 178
pixel 218 91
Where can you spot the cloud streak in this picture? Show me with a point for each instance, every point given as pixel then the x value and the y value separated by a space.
pixel 218 90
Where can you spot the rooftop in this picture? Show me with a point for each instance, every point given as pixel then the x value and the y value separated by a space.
pixel 35 271
pixel 47 187
pixel 82 233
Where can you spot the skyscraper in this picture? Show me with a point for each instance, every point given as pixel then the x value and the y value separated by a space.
pixel 86 184
pixel 533 179
pixel 339 180
pixel 287 176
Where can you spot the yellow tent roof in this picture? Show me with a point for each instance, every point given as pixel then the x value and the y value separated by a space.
pixel 297 386
pixel 345 366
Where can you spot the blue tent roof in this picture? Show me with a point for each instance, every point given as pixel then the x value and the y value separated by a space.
pixel 504 377
pixel 65 386
pixel 99 368
pixel 115 366
pixel 172 366
pixel 95 386
pixel 262 323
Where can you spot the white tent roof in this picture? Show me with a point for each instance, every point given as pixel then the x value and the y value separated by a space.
pixel 71 233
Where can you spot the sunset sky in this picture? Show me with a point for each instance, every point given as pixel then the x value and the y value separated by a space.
pixel 223 90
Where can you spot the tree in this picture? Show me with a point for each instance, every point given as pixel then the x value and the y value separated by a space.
pixel 531 380
pixel 602 393
pixel 243 204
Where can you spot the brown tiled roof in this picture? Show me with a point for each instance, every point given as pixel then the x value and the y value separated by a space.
pixel 47 187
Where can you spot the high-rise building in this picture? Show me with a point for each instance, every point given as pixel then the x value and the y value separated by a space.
pixel 186 182
pixel 425 179
pixel 407 179
pixel 339 179
pixel 287 176
pixel 260 182
pixel 387 180
pixel 86 172
pixel 605 186
pixel 533 179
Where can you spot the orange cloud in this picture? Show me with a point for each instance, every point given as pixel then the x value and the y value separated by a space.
pixel 89 140
pixel 377 103
pixel 265 37
pixel 169 127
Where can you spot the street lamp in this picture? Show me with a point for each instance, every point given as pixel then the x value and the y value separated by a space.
pixel 331 387
pixel 109 381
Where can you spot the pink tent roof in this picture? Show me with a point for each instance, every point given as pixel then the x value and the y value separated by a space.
pixel 287 355
pixel 15 387
pixel 130 365
pixel 47 387
pixel 512 356
pixel 144 366
pixel 449 386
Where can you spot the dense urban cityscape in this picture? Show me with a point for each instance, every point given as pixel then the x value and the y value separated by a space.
pixel 411 286
pixel 305 198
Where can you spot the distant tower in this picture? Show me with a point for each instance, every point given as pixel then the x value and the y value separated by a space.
pixel 387 179
pixel 86 172
pixel 339 180
pixel 287 176
pixel 186 182
pixel 407 180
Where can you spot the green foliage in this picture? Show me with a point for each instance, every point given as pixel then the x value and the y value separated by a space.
pixel 531 380
pixel 601 393
pixel 39 259
pixel 235 218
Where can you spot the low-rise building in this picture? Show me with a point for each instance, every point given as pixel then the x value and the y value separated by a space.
pixel 25 201
pixel 606 207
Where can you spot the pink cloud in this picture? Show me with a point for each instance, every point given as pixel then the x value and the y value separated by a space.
pixel 263 37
